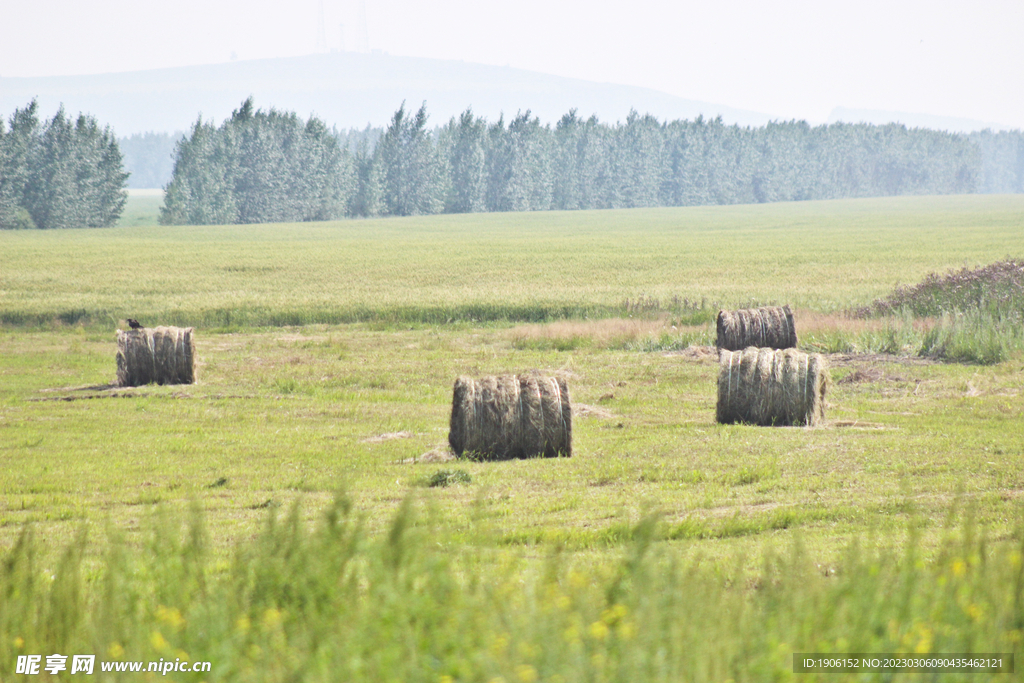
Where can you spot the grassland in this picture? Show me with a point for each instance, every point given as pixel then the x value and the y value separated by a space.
pixel 327 354
pixel 478 267
pixel 142 208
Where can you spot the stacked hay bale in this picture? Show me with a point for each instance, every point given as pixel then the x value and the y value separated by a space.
pixel 511 416
pixel 161 355
pixel 771 387
pixel 770 327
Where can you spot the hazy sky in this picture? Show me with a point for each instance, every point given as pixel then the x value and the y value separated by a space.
pixel 789 58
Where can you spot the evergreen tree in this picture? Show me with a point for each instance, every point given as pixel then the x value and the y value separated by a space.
pixel 270 167
pixel 583 164
pixel 498 166
pixel 694 162
pixel 531 179
pixel 11 185
pixel 570 148
pixel 410 167
pixel 259 167
pixel 75 177
pixel 369 194
pixel 331 179
pixel 519 165
pixel 1002 161
pixel 18 150
pixel 639 160
pixel 268 157
pixel 464 141
pixel 201 191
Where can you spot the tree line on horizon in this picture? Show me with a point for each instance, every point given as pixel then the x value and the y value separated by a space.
pixel 59 173
pixel 269 166
pixel 266 166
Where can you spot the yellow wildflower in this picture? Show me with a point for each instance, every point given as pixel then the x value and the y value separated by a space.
pixel 599 630
pixel 157 640
pixel 527 674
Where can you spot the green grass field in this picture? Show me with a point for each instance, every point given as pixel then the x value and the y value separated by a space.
pixel 142 208
pixel 327 354
pixel 538 266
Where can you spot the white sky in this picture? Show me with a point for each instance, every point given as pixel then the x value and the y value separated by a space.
pixel 788 58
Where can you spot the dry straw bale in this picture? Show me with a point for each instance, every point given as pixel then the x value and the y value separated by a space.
pixel 770 327
pixel 161 355
pixel 511 416
pixel 772 387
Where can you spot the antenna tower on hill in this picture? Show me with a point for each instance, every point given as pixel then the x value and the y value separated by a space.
pixel 362 42
pixel 321 32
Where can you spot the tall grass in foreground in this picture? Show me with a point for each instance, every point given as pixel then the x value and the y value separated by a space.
pixel 967 337
pixel 335 603
pixel 980 314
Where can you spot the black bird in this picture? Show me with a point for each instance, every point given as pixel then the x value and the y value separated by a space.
pixel 134 324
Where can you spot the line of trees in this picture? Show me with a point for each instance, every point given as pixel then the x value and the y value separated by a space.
pixel 258 167
pixel 61 173
pixel 471 165
pixel 149 157
pixel 1002 161
pixel 267 166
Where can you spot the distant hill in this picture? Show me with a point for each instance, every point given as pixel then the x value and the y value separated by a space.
pixel 348 90
pixel 946 123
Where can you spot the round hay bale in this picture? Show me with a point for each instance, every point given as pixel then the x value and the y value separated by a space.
pixel 771 387
pixel 511 416
pixel 767 327
pixel 161 355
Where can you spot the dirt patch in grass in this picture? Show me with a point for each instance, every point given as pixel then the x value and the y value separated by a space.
pixel 390 436
pixel 869 361
pixel 88 387
pixel 301 338
pixel 721 511
pixel 435 455
pixel 104 391
pixel 699 354
pixel 583 410
pixel 856 424
pixel 859 375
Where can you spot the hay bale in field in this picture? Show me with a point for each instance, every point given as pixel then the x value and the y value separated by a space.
pixel 161 355
pixel 767 327
pixel 511 416
pixel 771 387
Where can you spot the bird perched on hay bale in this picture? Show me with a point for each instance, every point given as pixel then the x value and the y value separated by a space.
pixel 161 355
pixel 134 324
pixel 767 327
pixel 511 416
pixel 771 387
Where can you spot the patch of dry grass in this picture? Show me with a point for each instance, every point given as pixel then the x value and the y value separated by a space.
pixel 602 333
pixel 812 322
pixel 605 333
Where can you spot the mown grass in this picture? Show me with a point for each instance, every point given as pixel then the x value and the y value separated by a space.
pixel 293 414
pixel 286 414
